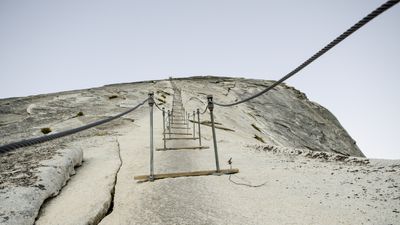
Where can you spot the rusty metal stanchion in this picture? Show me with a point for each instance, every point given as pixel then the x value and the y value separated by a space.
pixel 194 130
pixel 198 120
pixel 151 103
pixel 169 125
pixel 211 108
pixel 163 118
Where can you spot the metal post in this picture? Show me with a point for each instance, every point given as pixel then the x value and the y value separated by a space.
pixel 163 119
pixel 151 103
pixel 211 108
pixel 169 125
pixel 198 120
pixel 187 123
pixel 172 115
pixel 194 130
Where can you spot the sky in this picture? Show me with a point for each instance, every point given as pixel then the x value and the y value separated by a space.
pixel 52 46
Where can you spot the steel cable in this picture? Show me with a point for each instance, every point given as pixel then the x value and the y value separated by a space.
pixel 333 43
pixel 157 106
pixel 37 140
pixel 205 110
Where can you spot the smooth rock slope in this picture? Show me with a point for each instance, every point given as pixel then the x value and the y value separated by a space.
pixel 281 137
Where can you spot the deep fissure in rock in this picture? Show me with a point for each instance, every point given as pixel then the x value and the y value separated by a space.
pixel 111 207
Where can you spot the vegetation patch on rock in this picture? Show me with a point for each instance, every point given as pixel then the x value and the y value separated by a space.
pixel 255 127
pixel 259 138
pixel 45 130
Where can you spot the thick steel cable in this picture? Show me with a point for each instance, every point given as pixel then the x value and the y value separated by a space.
pixel 37 140
pixel 157 106
pixel 205 110
pixel 336 41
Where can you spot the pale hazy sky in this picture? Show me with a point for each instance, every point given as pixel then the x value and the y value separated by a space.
pixel 50 46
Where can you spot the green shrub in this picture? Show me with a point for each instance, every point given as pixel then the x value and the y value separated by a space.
pixel 255 127
pixel 259 138
pixel 46 130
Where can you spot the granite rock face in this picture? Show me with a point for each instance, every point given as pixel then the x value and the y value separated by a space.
pixel 283 117
pixel 29 176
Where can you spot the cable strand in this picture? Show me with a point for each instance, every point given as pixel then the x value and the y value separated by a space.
pixel 32 141
pixel 205 110
pixel 157 106
pixel 245 184
pixel 332 44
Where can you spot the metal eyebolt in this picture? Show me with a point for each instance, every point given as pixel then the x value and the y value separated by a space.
pixel 151 98
pixel 210 102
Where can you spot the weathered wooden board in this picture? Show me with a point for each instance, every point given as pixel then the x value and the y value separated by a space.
pixel 183 148
pixel 181 138
pixel 144 178
pixel 178 133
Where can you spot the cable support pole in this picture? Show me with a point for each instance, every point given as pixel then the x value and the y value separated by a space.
pixel 163 117
pixel 169 125
pixel 194 130
pixel 172 114
pixel 329 46
pixel 187 123
pixel 151 103
pixel 198 120
pixel 211 108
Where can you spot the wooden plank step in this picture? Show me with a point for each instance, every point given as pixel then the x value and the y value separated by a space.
pixel 144 178
pixel 179 133
pixel 181 138
pixel 181 128
pixel 183 148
